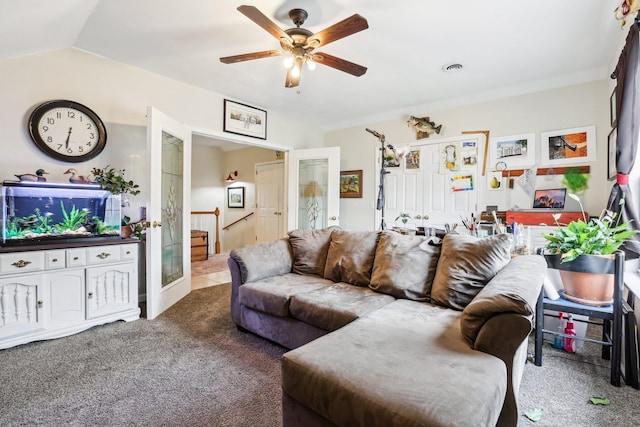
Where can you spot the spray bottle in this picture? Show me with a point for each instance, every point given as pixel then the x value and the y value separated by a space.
pixel 558 341
pixel 570 342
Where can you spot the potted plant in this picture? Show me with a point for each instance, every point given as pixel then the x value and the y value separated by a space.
pixel 583 252
pixel 404 217
pixel 113 180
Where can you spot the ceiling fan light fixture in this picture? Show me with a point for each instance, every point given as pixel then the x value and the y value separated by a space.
pixel 288 61
pixel 311 65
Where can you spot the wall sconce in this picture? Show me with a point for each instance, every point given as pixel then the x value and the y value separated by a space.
pixel 230 177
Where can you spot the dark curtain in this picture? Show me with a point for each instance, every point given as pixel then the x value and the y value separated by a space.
pixel 628 108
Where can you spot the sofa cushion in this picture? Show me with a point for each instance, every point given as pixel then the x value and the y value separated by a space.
pixel 263 260
pixel 437 380
pixel 466 264
pixel 332 307
pixel 310 250
pixel 350 256
pixel 512 290
pixel 405 266
pixel 273 294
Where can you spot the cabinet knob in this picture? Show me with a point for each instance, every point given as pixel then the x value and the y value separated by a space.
pixel 103 255
pixel 128 252
pixel 75 258
pixel 39 302
pixel 90 295
pixel 54 260
pixel 21 263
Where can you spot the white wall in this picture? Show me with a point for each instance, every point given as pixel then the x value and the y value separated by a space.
pixel 563 108
pixel 119 94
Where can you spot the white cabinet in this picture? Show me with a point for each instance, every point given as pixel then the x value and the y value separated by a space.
pixel 57 292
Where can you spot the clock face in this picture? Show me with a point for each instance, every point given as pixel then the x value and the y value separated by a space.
pixel 67 131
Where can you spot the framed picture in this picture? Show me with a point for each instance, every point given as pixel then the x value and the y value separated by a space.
pixel 351 184
pixel 611 157
pixel 235 197
pixel 613 108
pixel 412 161
pixel 568 146
pixel 514 151
pixel 244 120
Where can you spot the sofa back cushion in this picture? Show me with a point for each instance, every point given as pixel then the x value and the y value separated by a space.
pixel 350 256
pixel 404 266
pixel 310 249
pixel 466 264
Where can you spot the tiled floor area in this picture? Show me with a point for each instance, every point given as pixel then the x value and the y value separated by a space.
pixel 210 279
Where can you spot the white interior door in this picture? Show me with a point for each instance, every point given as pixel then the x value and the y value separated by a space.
pixel 269 201
pixel 168 212
pixel 313 188
pixel 434 188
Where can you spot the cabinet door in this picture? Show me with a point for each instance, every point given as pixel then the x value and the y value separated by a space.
pixel 111 289
pixel 20 305
pixel 66 297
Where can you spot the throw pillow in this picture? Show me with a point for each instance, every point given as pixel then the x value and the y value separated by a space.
pixel 404 266
pixel 309 249
pixel 466 264
pixel 350 257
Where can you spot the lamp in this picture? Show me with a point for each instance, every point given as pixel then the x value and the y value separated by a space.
pixel 230 178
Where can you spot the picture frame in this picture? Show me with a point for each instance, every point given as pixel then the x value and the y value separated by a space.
pixel 243 119
pixel 235 197
pixel 568 146
pixel 412 160
pixel 514 151
pixel 351 184
pixel 613 108
pixel 612 169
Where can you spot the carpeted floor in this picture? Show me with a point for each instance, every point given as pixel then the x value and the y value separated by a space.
pixel 215 263
pixel 191 366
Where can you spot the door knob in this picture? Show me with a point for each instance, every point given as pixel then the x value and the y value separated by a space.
pixel 333 218
pixel 157 224
pixel 418 217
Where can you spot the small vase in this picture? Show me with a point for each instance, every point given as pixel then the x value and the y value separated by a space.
pixel 125 231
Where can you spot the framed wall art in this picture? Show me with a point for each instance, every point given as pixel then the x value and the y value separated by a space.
pixel 412 161
pixel 568 146
pixel 514 151
pixel 351 184
pixel 612 169
pixel 244 120
pixel 235 197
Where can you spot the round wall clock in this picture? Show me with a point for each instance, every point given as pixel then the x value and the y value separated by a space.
pixel 67 130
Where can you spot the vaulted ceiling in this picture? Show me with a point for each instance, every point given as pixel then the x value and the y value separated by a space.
pixel 506 47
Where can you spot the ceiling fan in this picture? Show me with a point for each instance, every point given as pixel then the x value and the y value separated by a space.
pixel 299 43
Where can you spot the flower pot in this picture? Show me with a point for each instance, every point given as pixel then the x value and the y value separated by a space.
pixel 125 231
pixel 588 279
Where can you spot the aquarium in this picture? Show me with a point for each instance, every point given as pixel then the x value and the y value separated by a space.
pixel 39 212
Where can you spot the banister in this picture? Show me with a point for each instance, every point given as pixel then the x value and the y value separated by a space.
pixel 237 221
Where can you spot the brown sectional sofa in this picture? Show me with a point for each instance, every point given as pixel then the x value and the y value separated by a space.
pixel 391 330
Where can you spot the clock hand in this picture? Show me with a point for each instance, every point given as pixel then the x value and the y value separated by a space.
pixel 66 143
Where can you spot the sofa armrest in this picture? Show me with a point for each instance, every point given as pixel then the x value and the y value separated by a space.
pixel 257 262
pixel 514 289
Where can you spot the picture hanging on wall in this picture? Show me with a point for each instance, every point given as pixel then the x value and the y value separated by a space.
pixel 469 153
pixel 244 120
pixel 450 157
pixel 412 161
pixel 351 184
pixel 461 183
pixel 516 151
pixel 235 197
pixel 568 146
pixel 495 181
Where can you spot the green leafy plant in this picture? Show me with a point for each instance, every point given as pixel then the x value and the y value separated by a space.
pixel 598 236
pixel 404 217
pixel 72 220
pixel 113 180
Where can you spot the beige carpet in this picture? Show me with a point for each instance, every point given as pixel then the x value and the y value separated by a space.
pixel 215 264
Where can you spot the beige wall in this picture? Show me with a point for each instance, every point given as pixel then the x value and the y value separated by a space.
pixel 563 108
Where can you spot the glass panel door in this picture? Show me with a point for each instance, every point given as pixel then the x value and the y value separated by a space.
pixel 172 208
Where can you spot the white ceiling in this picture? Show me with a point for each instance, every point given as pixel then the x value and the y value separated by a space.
pixel 506 47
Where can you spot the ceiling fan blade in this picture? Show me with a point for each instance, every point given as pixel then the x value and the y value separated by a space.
pixel 249 56
pixel 339 64
pixel 344 28
pixel 260 18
